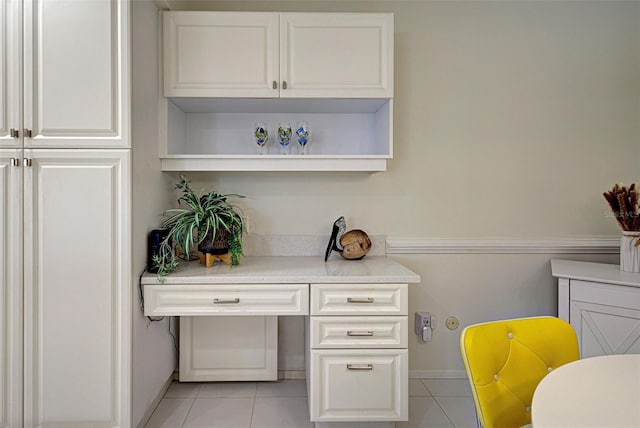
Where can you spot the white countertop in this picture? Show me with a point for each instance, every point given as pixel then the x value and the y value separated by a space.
pixel 594 272
pixel 291 270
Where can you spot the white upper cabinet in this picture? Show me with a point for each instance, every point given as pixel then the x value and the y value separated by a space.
pixel 271 55
pixel 62 75
pixel 336 55
pixel 224 72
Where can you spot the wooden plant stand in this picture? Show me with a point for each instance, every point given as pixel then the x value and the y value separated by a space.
pixel 208 259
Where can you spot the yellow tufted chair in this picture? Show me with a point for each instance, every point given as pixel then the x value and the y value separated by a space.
pixel 505 361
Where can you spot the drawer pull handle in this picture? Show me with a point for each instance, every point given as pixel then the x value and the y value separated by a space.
pixel 359 300
pixel 360 367
pixel 220 301
pixel 360 333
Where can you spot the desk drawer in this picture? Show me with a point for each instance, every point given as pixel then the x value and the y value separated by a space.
pixel 359 332
pixel 359 299
pixel 226 299
pixel 358 385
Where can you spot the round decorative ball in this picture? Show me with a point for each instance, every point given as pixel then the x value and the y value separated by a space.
pixel 356 244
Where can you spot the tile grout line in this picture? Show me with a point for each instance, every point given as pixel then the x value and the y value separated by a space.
pixel 186 416
pixel 444 413
pixel 193 401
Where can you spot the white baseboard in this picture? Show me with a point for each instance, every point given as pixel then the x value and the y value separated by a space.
pixel 580 245
pixel 156 401
pixel 437 374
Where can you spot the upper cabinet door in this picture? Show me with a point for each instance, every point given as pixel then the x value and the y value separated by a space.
pixel 76 86
pixel 219 54
pixel 336 55
pixel 10 61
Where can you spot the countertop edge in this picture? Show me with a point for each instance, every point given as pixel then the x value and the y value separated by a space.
pixel 309 270
pixel 593 272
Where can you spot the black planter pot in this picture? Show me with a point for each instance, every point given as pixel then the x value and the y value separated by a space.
pixel 215 245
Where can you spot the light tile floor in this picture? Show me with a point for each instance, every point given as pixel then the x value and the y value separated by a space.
pixel 433 403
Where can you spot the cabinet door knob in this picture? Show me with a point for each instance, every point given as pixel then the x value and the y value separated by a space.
pixel 284 84
pixel 15 162
pixel 26 162
pixel 27 133
pixel 359 366
pixel 14 133
pixel 274 85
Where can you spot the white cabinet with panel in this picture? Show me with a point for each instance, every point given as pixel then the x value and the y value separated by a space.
pixel 71 60
pixel 288 55
pixel 602 303
pixel 77 309
pixel 11 286
pixel 226 71
pixel 203 359
pixel 65 234
pixel 357 366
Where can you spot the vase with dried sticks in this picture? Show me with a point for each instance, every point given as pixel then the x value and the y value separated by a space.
pixel 625 204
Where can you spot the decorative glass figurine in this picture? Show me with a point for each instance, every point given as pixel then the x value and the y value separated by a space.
pixel 284 136
pixel 261 134
pixel 302 131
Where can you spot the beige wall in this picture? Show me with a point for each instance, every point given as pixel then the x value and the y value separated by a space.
pixel 511 119
pixel 154 356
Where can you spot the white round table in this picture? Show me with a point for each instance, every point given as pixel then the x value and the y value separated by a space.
pixel 602 392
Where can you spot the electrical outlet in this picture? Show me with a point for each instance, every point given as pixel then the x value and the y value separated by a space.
pixel 452 323
pixel 422 320
pixel 423 325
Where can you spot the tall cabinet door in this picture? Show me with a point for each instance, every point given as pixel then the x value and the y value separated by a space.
pixel 336 55
pixel 10 61
pixel 77 304
pixel 10 289
pixel 75 81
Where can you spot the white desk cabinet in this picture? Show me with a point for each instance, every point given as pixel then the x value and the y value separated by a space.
pixel 65 229
pixel 356 320
pixel 288 55
pixel 602 303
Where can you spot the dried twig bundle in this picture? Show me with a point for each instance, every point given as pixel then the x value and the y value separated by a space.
pixel 625 204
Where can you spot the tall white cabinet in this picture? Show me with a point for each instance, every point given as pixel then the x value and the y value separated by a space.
pixel 65 229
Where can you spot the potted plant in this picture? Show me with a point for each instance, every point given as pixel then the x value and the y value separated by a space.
pixel 207 221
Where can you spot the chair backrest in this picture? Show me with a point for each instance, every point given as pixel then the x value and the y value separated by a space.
pixel 505 361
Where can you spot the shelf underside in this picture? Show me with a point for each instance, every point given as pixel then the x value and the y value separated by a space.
pixel 274 163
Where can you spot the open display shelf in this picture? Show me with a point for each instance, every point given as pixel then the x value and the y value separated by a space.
pixel 216 134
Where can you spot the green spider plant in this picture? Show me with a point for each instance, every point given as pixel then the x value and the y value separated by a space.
pixel 198 216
